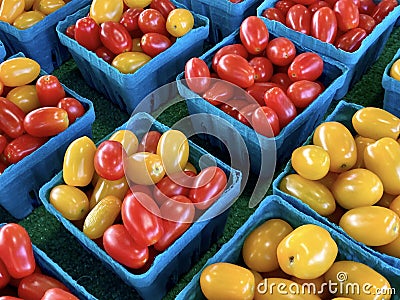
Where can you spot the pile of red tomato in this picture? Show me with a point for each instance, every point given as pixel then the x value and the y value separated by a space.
pixel 20 276
pixel 134 199
pixel 128 34
pixel 31 112
pixel 23 14
pixel 354 181
pixel 281 262
pixel 344 23
pixel 282 81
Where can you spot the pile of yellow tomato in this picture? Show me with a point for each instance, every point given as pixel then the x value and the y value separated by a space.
pixel 23 14
pixel 281 262
pixel 353 180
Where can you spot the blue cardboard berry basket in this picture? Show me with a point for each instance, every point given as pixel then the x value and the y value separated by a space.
pixel 2 51
pixel 291 136
pixel 40 42
pixel 358 61
pixel 49 267
pixel 225 16
pixel 343 114
pixel 20 182
pixel 127 90
pixel 391 100
pixel 176 260
pixel 273 207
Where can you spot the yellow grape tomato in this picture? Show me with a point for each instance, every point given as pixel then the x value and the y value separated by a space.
pixel 173 148
pixel 311 162
pixel 18 71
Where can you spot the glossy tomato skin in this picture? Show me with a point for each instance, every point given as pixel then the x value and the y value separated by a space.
pixel 3 142
pixel 129 62
pixel 49 90
pixel 16 250
pixel 277 99
pixel 254 35
pixel 220 92
pixel 130 18
pixel 298 18
pixel 307 65
pixel 179 22
pixel 284 5
pixel 173 148
pixel 281 51
pixel 282 80
pixel 121 246
pixel 105 54
pixel 106 10
pixel 265 121
pixel 34 286
pixel 104 187
pixel 263 68
pixel 367 23
pixel 311 162
pixel 4 275
pixel 141 218
pixel 18 71
pixel 151 20
pixel 347 14
pixel 109 160
pixel 46 121
pixel 154 43
pixel 232 107
pixel 73 108
pixel 236 69
pixel 197 75
pixel 70 201
pixel 351 40
pixel 324 25
pixel 58 294
pixel 11 118
pixel 163 6
pixel 149 142
pixel 22 146
pixel 317 5
pixel 25 97
pixel 274 14
pixel 178 213
pixel 238 49
pixel 87 33
pixel 115 37
pixel 167 188
pixel 303 92
pixel 257 90
pixel 382 9
pixel 367 7
pixel 208 185
pixel 246 112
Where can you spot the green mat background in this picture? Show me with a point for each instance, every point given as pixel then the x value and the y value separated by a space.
pixel 51 237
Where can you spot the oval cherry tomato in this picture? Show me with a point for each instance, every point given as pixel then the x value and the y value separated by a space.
pixel 46 121
pixel 298 18
pixel 58 294
pixel 34 286
pixel 109 160
pixel 303 92
pixel 154 43
pixel 307 252
pixel 173 148
pixel 307 65
pixel 367 7
pixel 130 62
pixel 265 121
pixel 105 54
pixel 367 23
pixel 197 75
pixel 284 5
pixel 347 14
pixel 311 162
pixel 263 68
pixel 16 250
pixel 281 51
pixel 70 31
pixel 106 10
pixel 178 213
pixel 149 142
pixel 104 187
pixel 49 90
pixel 18 71
pixel 324 24
pixel 276 99
pixel 236 69
pixel 28 19
pixel 121 247
pixel 11 9
pixel 49 6
pixel 208 185
pixel 128 140
pixel 144 168
pixel 274 14
pixel 130 18
pixel 232 107
pixel 25 97
pixel 87 33
pixel 141 218
pixel 11 118
pixel 22 146
pixel 382 9
pixel 78 167
pixel 163 6
pixel 179 22
pixel 238 49
pixel 220 92
pixel 73 108
pixel 167 188
pixel 351 40
pixel 254 35
pixel 282 80
pixel 115 37
pixel 257 90
pixel 317 5
pixel 70 201
pixel 151 20
pixel 246 112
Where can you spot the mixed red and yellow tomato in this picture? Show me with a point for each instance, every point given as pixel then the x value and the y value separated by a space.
pixel 128 34
pixel 33 108
pixel 134 197
pixel 343 23
pixel 353 180
pixel 23 14
pixel 20 276
pixel 282 262
pixel 280 81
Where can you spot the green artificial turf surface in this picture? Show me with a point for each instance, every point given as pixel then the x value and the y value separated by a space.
pixel 50 236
